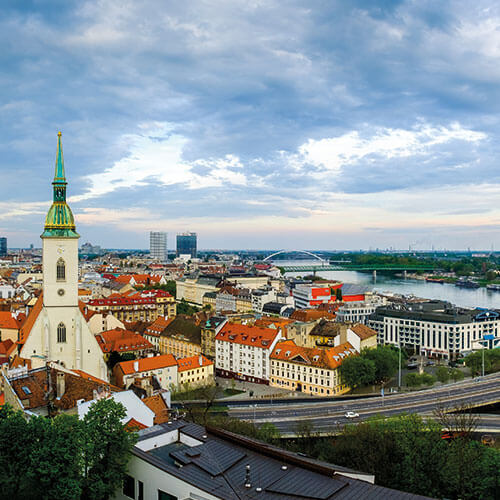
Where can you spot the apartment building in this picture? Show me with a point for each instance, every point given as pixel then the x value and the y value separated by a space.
pixel 242 352
pixel 309 369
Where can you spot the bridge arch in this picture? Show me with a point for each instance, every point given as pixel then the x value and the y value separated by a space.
pixel 294 251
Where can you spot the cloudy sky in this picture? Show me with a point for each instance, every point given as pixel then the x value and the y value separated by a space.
pixel 257 124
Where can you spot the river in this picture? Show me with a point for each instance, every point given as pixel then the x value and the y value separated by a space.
pixel 465 297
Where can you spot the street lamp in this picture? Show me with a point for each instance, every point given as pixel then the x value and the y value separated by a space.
pixel 399 375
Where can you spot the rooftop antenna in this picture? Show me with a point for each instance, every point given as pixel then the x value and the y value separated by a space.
pixel 248 484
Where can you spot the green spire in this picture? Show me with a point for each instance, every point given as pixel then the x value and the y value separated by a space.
pixel 59 173
pixel 59 222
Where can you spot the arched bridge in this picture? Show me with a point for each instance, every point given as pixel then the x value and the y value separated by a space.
pixel 295 251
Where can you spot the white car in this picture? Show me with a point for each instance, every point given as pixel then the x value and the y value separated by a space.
pixel 351 414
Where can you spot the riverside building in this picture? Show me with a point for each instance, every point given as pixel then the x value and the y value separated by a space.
pixel 435 328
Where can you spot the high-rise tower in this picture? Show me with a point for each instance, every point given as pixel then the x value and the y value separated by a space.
pixel 59 332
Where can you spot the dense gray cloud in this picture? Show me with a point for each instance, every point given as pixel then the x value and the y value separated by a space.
pixel 257 123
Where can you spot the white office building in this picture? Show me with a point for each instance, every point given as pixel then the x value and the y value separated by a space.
pixel 158 245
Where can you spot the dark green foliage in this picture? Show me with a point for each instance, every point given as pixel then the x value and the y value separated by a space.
pixel 416 379
pixel 407 453
pixel 356 371
pixel 491 361
pixel 185 308
pixel 169 287
pixel 106 450
pixel 443 374
pixel 386 361
pixel 372 366
pixel 269 433
pixel 116 357
pixel 63 457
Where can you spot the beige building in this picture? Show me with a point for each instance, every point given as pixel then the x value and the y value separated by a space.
pixel 195 371
pixel 182 338
pixel 193 289
pixel 309 370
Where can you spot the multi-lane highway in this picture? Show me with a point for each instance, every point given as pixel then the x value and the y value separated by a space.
pixel 327 417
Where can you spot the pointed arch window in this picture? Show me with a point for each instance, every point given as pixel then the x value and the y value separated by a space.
pixel 61 333
pixel 61 270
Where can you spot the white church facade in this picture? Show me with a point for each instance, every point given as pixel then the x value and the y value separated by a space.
pixel 58 331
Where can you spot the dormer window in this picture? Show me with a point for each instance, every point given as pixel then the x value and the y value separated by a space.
pixel 61 270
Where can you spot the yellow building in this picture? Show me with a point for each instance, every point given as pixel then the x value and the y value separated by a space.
pixel 182 338
pixel 195 371
pixel 309 370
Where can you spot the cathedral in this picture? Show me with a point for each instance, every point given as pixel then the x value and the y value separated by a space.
pixel 56 329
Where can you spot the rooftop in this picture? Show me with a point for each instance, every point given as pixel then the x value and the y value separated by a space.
pixel 218 461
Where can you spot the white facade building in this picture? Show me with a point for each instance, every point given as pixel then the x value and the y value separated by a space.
pixel 436 329
pixel 158 245
pixel 358 312
pixel 242 352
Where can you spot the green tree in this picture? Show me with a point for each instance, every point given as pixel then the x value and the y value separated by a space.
pixel 356 371
pixel 443 374
pixel 386 361
pixel 427 379
pixel 269 433
pixel 55 461
pixel 106 451
pixel 412 380
pixel 456 374
pixel 15 453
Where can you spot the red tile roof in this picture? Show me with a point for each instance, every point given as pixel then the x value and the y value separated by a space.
pixel 192 362
pixel 121 340
pixel 158 326
pixel 28 323
pixel 362 331
pixel 330 358
pixel 146 364
pixel 7 347
pixel 159 406
pixel 8 321
pixel 247 335
pixel 134 425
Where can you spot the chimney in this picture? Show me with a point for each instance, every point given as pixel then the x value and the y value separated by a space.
pixel 61 385
pixel 200 360
pixel 136 366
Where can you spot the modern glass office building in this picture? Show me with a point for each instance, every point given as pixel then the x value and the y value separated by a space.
pixel 3 247
pixel 158 245
pixel 186 244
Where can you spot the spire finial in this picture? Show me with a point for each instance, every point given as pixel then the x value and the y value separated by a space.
pixel 59 175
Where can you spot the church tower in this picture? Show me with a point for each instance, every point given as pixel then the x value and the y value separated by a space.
pixel 59 330
pixel 60 245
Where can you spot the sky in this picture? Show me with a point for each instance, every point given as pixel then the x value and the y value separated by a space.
pixel 258 124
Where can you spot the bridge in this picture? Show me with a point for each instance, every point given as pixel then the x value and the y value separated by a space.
pixel 306 252
pixel 355 267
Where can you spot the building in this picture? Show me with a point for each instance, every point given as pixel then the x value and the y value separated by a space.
pixel 231 299
pixel 55 329
pixel 209 330
pixel 121 341
pixel 146 306
pixel 154 330
pixel 242 352
pixel 193 289
pixel 3 247
pixel 181 337
pixel 186 245
pixel 195 371
pixel 307 296
pixel 359 311
pixel 263 296
pixel 309 369
pixel 436 329
pixel 9 326
pixel 179 460
pixel 51 389
pixel 163 368
pixel 158 245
